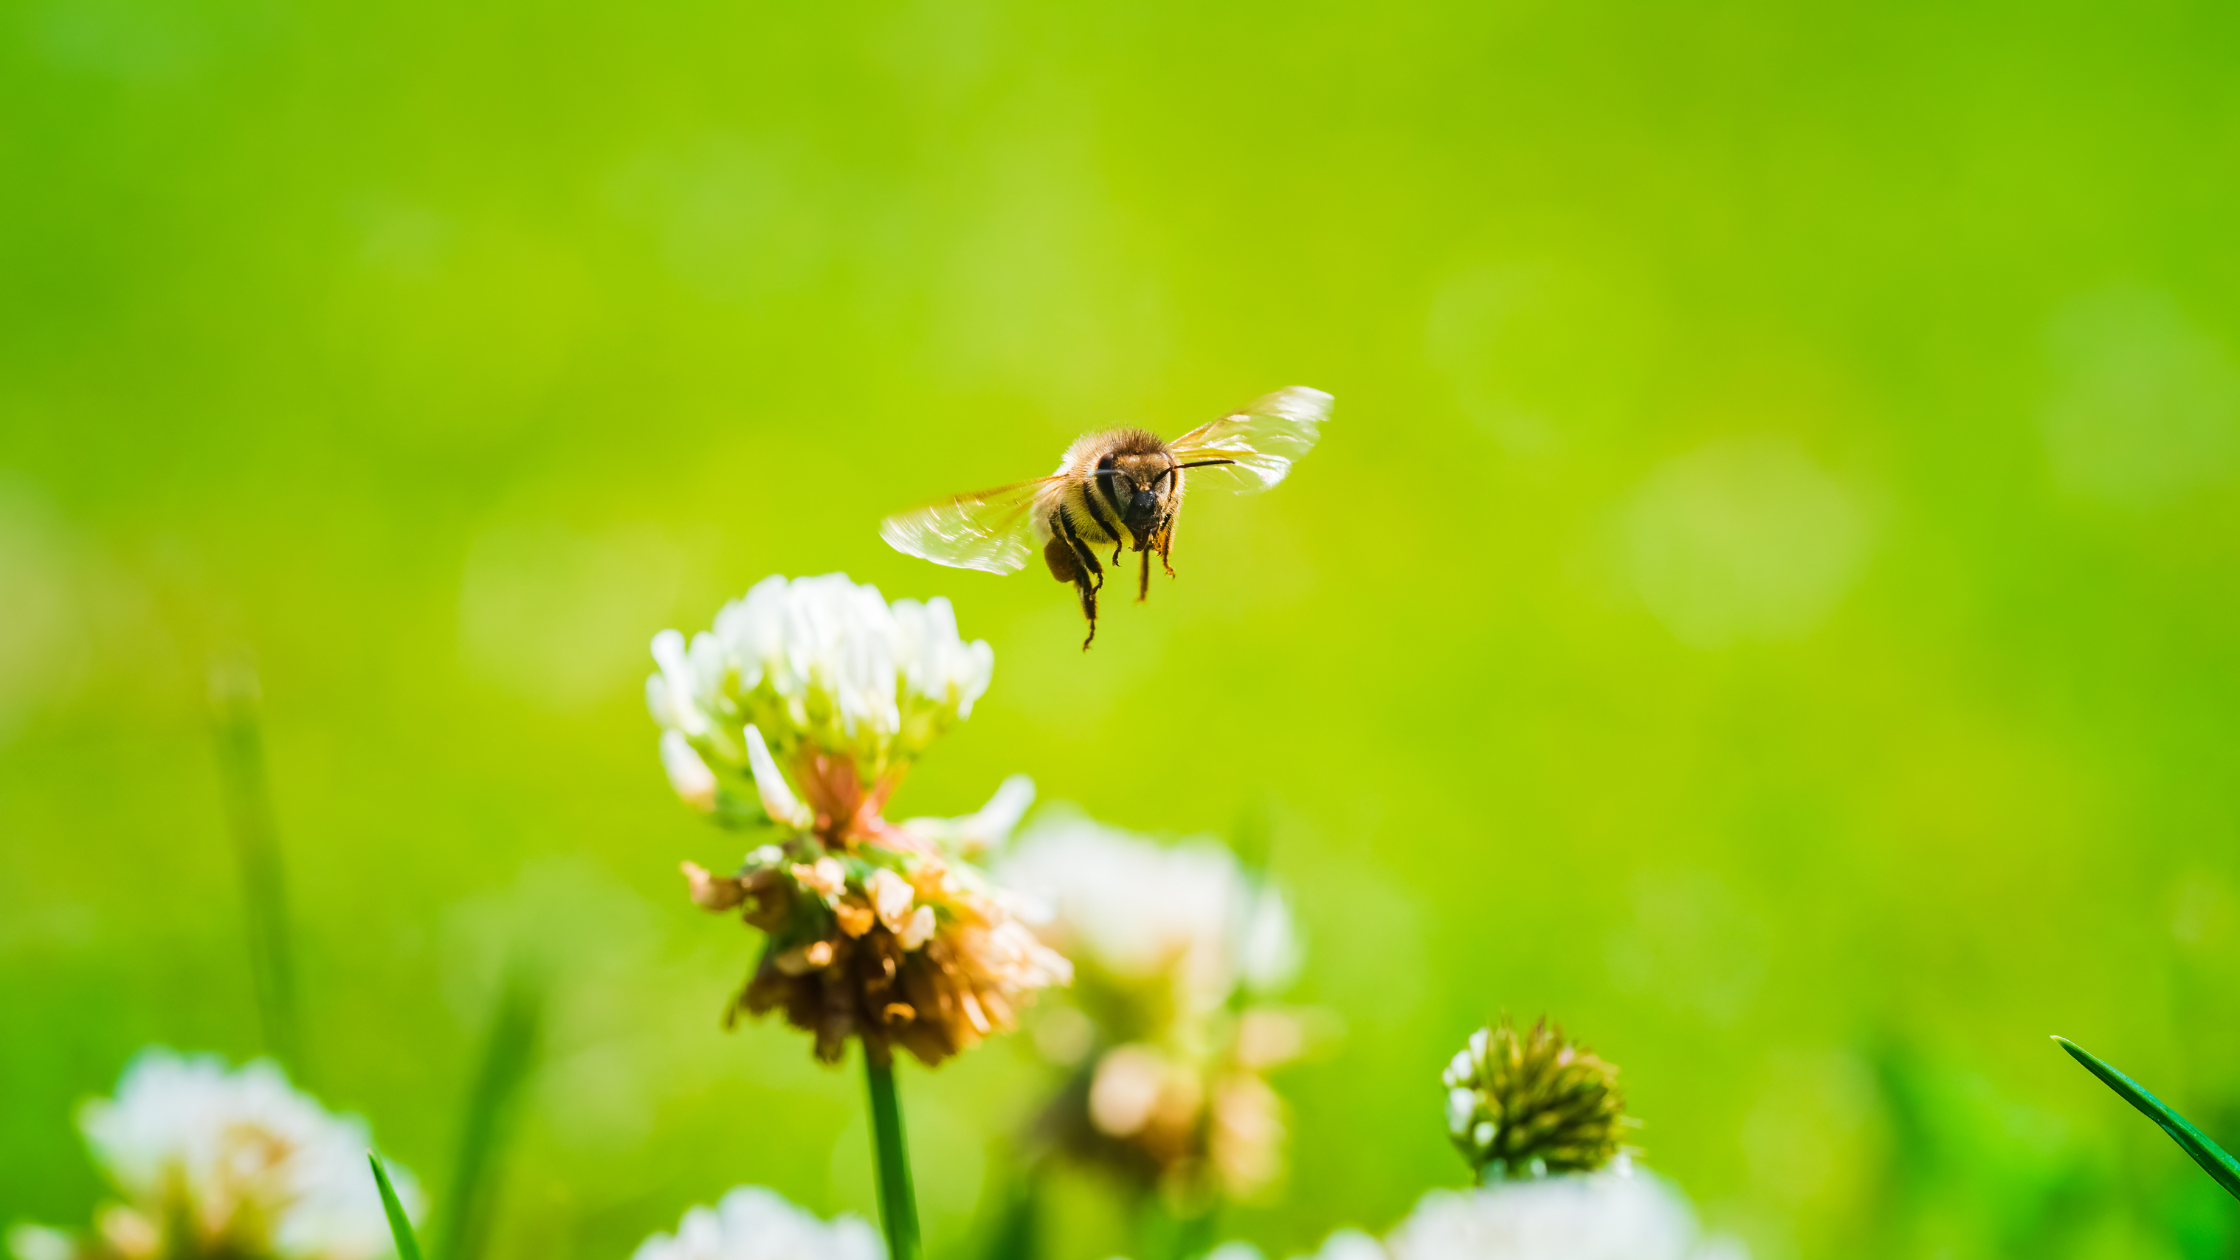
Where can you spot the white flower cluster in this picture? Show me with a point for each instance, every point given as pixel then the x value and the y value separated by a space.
pixel 247 1162
pixel 1619 1214
pixel 818 662
pixel 752 1223
pixel 1167 937
pixel 1141 911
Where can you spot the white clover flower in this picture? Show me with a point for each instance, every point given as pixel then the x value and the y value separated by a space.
pixel 1350 1244
pixel 752 1223
pixel 818 664
pixel 39 1242
pixel 1621 1214
pixel 1169 936
pixel 1141 911
pixel 819 693
pixel 242 1158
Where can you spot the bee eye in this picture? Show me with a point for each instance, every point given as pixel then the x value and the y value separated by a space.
pixel 1105 465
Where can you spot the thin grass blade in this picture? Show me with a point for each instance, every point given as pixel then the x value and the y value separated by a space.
pixel 508 1058
pixel 2208 1154
pixel 1017 1228
pixel 400 1226
pixel 234 704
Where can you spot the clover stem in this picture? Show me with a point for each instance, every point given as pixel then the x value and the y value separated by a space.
pixel 898 1204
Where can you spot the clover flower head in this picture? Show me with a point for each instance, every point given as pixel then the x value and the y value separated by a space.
pixel 817 694
pixel 752 1223
pixel 818 663
pixel 240 1160
pixel 1532 1103
pixel 1187 916
pixel 1350 1244
pixel 1177 948
pixel 1619 1214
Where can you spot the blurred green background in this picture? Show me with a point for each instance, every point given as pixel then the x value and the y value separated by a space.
pixel 1767 597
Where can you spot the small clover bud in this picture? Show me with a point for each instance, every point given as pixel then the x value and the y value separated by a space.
pixel 1527 1104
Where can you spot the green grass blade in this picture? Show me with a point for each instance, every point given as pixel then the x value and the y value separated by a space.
pixel 508 1058
pixel 2208 1154
pixel 1019 1221
pixel 400 1226
pixel 239 734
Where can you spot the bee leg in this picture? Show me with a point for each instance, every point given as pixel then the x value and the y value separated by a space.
pixel 1143 579
pixel 1088 568
pixel 1081 552
pixel 1088 595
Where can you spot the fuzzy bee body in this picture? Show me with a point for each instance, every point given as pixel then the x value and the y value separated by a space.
pixel 1121 490
pixel 1115 491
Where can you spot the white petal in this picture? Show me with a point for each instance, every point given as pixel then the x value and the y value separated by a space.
pixel 688 774
pixel 1461 1105
pixel 777 798
pixel 993 824
pixel 1460 1069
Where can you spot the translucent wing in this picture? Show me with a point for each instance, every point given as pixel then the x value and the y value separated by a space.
pixel 988 531
pixel 1259 442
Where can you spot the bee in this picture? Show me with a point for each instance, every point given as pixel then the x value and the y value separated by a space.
pixel 1116 488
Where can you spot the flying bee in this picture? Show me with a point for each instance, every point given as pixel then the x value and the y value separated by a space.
pixel 1117 488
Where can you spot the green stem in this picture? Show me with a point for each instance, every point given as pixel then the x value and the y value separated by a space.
pixel 898 1204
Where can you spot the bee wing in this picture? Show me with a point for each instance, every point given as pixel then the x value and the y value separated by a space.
pixel 1258 442
pixel 987 530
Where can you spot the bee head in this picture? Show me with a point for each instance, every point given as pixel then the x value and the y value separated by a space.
pixel 1138 486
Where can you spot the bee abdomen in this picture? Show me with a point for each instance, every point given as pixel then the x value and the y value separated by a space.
pixel 1058 554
